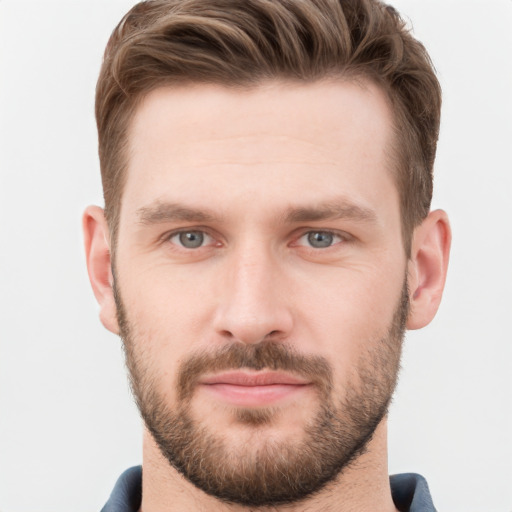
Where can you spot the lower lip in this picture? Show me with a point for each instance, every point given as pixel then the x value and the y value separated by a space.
pixel 253 396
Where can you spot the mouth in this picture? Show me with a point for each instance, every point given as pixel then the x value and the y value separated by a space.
pixel 254 389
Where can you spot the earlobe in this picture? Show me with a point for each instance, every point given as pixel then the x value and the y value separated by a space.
pixel 97 253
pixel 427 268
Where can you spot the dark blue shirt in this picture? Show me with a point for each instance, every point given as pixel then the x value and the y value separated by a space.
pixel 410 493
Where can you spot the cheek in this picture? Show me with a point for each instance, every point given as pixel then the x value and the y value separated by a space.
pixel 154 356
pixel 338 312
pixel 168 303
pixel 166 321
pixel 346 314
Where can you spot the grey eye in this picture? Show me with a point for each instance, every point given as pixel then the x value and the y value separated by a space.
pixel 190 239
pixel 321 239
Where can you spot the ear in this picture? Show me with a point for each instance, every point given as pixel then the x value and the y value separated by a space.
pixel 427 268
pixel 97 253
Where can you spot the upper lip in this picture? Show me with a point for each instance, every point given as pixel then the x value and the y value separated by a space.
pixel 243 378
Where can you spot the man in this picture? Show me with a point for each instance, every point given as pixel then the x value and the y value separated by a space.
pixel 266 241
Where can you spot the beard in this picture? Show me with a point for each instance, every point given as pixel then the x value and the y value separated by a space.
pixel 267 472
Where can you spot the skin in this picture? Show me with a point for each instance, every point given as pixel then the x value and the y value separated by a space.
pixel 264 166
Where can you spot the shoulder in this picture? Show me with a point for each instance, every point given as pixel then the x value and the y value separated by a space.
pixel 411 493
pixel 127 493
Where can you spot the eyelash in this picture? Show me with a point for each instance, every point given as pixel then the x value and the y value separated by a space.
pixel 335 236
pixel 338 237
pixel 175 234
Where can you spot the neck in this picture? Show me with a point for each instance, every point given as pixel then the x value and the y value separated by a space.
pixel 362 487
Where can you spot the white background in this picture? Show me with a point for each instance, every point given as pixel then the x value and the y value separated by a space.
pixel 67 424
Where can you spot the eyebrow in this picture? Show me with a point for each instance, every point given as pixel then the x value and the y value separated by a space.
pixel 160 213
pixel 332 210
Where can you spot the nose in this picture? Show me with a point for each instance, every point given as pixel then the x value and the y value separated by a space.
pixel 254 304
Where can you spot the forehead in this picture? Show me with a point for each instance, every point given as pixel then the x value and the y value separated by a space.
pixel 278 140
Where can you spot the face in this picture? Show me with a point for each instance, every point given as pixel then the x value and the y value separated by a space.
pixel 260 281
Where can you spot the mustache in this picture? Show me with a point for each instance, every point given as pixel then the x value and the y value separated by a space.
pixel 264 355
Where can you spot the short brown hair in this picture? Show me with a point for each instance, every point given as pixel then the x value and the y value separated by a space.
pixel 243 43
